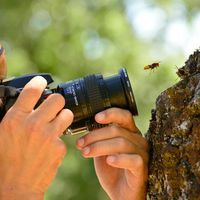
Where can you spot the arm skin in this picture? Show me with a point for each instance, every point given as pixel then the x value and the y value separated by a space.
pixel 120 155
pixel 30 148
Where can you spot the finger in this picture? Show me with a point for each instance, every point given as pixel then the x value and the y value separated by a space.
pixel 109 132
pixel 48 110
pixel 112 146
pixel 30 94
pixel 118 116
pixel 60 123
pixel 3 67
pixel 133 162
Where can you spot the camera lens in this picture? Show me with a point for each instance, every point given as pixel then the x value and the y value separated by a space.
pixel 91 94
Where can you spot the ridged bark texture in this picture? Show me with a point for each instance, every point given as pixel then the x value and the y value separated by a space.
pixel 174 138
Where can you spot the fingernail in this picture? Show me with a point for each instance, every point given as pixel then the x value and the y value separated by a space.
pixel 100 116
pixel 86 150
pixel 80 142
pixel 111 159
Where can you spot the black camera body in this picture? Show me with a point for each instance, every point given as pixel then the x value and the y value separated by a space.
pixel 85 96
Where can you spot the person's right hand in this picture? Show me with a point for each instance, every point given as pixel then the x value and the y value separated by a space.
pixel 30 148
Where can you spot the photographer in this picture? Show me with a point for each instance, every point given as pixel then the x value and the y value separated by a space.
pixel 31 151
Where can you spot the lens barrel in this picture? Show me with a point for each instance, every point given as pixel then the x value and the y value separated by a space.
pixel 91 94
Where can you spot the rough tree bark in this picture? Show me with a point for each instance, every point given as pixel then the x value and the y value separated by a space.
pixel 174 137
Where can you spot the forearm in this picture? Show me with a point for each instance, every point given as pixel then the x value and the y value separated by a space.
pixel 12 194
pixel 21 197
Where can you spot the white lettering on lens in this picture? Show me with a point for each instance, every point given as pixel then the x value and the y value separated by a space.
pixel 74 95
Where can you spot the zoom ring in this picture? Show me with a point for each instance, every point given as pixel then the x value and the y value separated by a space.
pixel 94 95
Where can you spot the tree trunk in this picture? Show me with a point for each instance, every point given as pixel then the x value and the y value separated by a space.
pixel 174 138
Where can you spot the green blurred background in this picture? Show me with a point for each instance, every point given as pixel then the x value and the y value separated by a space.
pixel 72 38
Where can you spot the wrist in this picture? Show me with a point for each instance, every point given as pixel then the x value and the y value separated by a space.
pixel 129 195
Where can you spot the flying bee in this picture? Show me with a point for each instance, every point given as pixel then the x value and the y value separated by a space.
pixel 152 66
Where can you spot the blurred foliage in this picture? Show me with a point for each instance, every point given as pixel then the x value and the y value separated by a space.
pixel 72 38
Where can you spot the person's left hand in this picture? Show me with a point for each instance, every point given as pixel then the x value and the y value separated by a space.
pixel 120 155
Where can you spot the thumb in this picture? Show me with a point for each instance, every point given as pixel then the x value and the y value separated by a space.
pixel 3 67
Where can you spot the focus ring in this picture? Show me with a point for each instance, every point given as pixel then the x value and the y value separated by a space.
pixel 94 95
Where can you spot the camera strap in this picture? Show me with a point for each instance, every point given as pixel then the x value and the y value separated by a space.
pixel 7 91
pixel 7 96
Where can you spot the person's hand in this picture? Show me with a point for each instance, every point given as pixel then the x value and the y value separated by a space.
pixel 120 155
pixel 3 67
pixel 30 148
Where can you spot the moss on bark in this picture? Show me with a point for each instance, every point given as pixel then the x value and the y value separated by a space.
pixel 174 137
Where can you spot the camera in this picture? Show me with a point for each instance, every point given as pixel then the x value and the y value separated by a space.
pixel 85 96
